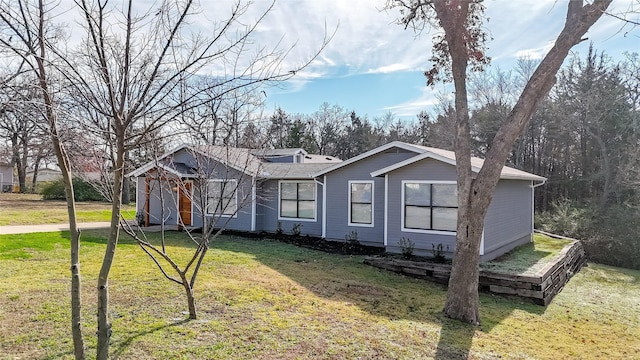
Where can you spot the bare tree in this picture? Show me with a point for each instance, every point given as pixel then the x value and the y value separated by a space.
pixel 459 46
pixel 28 34
pixel 134 76
pixel 220 183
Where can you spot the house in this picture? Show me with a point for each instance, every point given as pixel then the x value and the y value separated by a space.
pixel 6 177
pixel 392 192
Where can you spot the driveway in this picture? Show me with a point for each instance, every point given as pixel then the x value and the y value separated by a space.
pixel 24 229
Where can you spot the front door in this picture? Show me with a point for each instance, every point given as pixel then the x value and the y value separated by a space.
pixel 184 203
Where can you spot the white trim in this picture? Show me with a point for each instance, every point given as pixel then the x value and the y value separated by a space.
pixel 235 193
pixel 315 200
pixel 177 201
pixel 411 160
pixel 349 223
pixel 386 209
pixel 379 149
pixel 1 181
pixel 421 231
pixel 426 154
pixel 482 243
pixel 253 204
pixel 137 194
pixel 324 207
pixel 151 164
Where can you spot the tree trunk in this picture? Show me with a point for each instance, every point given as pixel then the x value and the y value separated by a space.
pixel 126 182
pixel 474 195
pixel 65 167
pixel 104 325
pixel 191 301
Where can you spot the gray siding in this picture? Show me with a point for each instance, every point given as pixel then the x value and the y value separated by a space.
pixel 337 185
pixel 509 218
pixel 425 170
pixel 508 222
pixel 213 170
pixel 267 211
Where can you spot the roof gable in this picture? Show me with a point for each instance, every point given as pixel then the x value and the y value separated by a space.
pixel 449 157
pixel 379 149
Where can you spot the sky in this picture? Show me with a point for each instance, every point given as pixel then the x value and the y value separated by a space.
pixel 373 66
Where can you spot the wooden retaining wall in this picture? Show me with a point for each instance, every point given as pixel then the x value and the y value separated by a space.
pixel 540 287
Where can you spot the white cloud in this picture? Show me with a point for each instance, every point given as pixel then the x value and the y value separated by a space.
pixel 389 69
pixel 537 53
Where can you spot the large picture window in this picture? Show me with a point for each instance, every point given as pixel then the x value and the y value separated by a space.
pixel 298 200
pixel 430 206
pixel 222 197
pixel 361 203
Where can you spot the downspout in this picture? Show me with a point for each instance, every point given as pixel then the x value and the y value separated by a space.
pixel 386 210
pixel 482 243
pixel 253 203
pixel 533 187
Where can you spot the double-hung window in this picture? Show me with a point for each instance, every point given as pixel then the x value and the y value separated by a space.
pixel 298 200
pixel 222 197
pixel 429 206
pixel 361 203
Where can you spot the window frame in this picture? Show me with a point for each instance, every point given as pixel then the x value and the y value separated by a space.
pixel 431 207
pixel 235 194
pixel 350 203
pixel 315 200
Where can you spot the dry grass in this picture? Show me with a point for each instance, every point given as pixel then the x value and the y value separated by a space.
pixel 268 300
pixel 30 209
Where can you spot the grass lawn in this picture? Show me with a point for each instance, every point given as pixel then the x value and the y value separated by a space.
pixel 261 299
pixel 528 259
pixel 30 209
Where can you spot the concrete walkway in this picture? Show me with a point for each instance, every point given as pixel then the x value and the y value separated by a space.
pixel 25 229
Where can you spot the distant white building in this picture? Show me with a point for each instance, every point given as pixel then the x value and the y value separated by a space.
pixel 6 177
pixel 44 175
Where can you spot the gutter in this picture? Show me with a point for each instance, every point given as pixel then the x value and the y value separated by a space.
pixel 540 184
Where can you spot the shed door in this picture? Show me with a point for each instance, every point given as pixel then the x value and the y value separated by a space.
pixel 185 203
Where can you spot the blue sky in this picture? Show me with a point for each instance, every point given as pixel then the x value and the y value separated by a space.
pixel 373 66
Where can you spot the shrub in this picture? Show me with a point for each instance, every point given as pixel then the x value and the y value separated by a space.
pixel 82 190
pixel 54 191
pixel 351 243
pixel 296 229
pixel 565 218
pixel 438 253
pixel 609 236
pixel 407 247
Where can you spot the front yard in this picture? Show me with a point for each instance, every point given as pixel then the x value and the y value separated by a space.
pixel 261 299
pixel 30 209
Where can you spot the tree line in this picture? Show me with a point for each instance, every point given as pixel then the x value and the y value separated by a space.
pixel 584 138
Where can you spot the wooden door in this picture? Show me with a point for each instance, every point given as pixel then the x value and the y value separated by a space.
pixel 184 200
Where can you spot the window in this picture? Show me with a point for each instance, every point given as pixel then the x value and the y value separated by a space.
pixel 298 200
pixel 430 206
pixel 361 203
pixel 222 197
